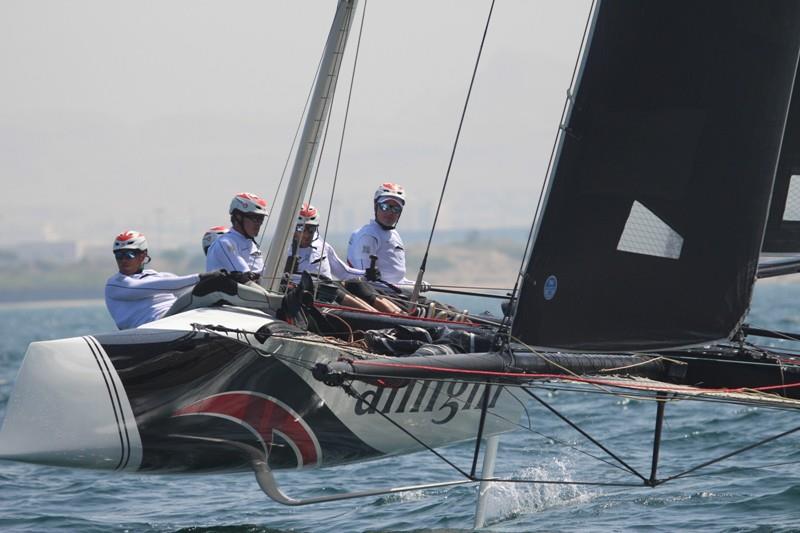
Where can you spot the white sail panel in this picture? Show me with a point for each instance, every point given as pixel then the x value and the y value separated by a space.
pixel 792 210
pixel 646 234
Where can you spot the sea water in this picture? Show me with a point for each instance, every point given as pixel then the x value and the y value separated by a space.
pixel 755 491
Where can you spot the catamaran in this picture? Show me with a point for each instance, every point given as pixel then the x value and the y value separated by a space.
pixel 676 155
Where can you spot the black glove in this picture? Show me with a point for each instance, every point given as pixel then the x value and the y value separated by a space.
pixel 372 274
pixel 213 274
pixel 244 277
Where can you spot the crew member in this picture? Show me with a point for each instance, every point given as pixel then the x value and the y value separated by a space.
pixel 380 238
pixel 212 235
pixel 236 250
pixel 135 295
pixel 314 256
pixel 309 253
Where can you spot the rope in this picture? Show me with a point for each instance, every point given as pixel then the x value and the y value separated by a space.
pixel 651 361
pixel 473 287
pixel 687 392
pixel 242 338
pixel 588 381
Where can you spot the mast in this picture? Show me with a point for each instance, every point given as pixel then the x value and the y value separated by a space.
pixel 313 127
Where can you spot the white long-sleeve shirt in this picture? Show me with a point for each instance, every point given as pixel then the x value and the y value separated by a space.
pixel 235 253
pixel 143 297
pixel 322 260
pixel 387 245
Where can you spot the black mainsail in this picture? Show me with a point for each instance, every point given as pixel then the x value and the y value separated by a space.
pixel 657 204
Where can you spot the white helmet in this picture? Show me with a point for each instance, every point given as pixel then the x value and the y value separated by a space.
pixel 308 216
pixel 212 235
pixel 248 203
pixel 391 190
pixel 130 240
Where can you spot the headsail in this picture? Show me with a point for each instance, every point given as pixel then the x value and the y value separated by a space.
pixel 657 203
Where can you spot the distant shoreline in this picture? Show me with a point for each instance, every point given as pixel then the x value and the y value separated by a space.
pixel 60 303
pixel 65 299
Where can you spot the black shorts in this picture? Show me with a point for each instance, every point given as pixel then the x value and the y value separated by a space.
pixel 362 289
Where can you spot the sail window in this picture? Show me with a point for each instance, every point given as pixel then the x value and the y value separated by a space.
pixel 646 234
pixel 792 210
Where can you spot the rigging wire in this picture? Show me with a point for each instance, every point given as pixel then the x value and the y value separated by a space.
pixel 423 265
pixel 331 89
pixel 637 390
pixel 340 58
pixel 729 455
pixel 545 183
pixel 633 388
pixel 349 390
pixel 344 130
pixel 738 468
pixel 299 362
pixel 591 439
pixel 241 337
pixel 291 149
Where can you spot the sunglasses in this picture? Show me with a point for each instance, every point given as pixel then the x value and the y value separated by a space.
pixel 305 228
pixel 127 254
pixel 396 209
pixel 253 217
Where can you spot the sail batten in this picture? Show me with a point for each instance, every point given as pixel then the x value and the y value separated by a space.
pixel 657 206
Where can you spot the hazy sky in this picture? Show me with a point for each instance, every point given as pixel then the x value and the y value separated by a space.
pixel 151 114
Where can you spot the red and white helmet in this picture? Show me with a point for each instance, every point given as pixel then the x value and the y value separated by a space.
pixel 308 216
pixel 130 240
pixel 391 190
pixel 248 203
pixel 212 235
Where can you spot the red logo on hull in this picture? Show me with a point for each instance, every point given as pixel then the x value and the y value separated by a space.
pixel 264 416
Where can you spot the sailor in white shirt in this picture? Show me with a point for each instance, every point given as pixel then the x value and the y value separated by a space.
pixel 236 250
pixel 309 253
pixel 380 238
pixel 312 254
pixel 135 295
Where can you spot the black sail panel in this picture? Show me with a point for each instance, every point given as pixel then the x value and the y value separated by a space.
pixel 657 205
pixel 783 224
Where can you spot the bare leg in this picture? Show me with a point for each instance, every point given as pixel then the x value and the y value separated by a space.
pixel 387 306
pixel 349 300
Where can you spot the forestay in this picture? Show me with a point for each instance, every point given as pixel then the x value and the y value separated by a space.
pixel 656 207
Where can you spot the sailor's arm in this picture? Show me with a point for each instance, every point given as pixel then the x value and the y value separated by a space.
pixel 129 288
pixel 340 269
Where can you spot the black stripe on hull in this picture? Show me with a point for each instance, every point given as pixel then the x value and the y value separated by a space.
pixel 184 394
pixel 114 400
